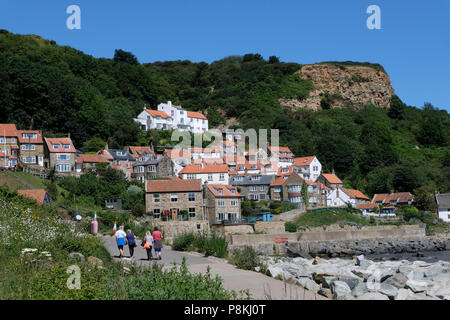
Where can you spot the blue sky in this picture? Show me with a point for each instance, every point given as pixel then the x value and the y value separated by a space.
pixel 413 44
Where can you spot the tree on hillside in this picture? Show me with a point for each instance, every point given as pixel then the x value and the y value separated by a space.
pixel 397 110
pixel 424 198
pixel 432 132
pixel 274 59
pixel 125 56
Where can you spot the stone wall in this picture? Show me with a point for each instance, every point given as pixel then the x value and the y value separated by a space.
pixel 335 233
pixel 172 229
pixel 269 227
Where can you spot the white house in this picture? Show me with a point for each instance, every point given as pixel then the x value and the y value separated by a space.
pixel 184 120
pixel 211 174
pixel 342 196
pixel 283 156
pixel 150 119
pixel 308 167
pixel 443 203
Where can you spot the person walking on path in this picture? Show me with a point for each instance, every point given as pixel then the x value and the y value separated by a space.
pixel 121 240
pixel 148 245
pixel 131 239
pixel 157 239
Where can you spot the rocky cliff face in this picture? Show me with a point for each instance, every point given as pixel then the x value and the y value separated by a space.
pixel 338 86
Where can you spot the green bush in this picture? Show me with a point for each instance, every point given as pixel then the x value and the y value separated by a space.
pixel 183 242
pixel 290 227
pixel 210 245
pixel 246 258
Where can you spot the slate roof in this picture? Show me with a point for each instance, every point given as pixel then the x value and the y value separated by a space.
pixel 443 200
pixel 127 156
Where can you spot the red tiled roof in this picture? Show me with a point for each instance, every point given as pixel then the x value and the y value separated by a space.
pixel 355 194
pixel 192 114
pixel 37 140
pixel 332 178
pixel 400 197
pixel 379 197
pixel 178 153
pixel 278 182
pixel 105 154
pixel 280 149
pixel 226 190
pixel 60 142
pixel 36 194
pixel 173 185
pixel 157 113
pixel 137 152
pixel 303 161
pixel 366 206
pixel 219 168
pixel 322 186
pixel 281 173
pixel 8 130
pixel 91 158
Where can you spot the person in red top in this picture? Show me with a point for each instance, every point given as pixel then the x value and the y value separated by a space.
pixel 157 242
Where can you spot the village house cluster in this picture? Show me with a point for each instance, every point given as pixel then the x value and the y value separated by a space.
pixel 198 183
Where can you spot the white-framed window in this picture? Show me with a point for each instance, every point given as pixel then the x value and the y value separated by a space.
pixel 277 189
pixel 221 203
pixel 315 168
pixel 2 140
pixel 156 213
pixel 29 159
pixel 55 146
pixel 253 197
pixel 191 176
pixel 174 197
pixel 62 157
pixel 156 197
pixel 222 177
pixel 151 168
pixel 191 197
pixel 29 136
pixel 192 212
pixel 13 140
pixel 28 146
pixel 253 188
pixel 221 216
pixel 63 167
pixel 262 188
pixel 210 177
pixel 234 203
pixel 295 188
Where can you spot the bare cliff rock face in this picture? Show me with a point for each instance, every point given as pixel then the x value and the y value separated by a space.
pixel 338 86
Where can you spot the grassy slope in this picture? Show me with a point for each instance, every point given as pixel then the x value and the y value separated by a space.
pixel 329 217
pixel 20 180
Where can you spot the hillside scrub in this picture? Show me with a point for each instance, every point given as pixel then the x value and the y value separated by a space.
pixel 210 245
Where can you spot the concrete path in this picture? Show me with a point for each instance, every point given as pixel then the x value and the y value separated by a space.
pixel 261 287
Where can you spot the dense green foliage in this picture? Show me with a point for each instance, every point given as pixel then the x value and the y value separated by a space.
pixel 60 90
pixel 246 258
pixel 329 217
pixel 208 244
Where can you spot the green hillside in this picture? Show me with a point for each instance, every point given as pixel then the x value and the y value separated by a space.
pixel 61 90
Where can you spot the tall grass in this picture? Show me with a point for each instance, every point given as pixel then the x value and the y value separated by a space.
pixel 208 244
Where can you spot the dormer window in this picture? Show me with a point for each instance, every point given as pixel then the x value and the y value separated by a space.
pixel 29 136
pixel 55 146
pixel 66 146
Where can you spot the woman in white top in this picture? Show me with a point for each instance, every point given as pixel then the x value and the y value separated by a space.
pixel 121 239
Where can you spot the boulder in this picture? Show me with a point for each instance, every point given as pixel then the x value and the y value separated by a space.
pixel 308 284
pixel 326 293
pixel 326 281
pixel 359 290
pixel 406 294
pixel 352 282
pixel 433 271
pixel 388 290
pixel 340 289
pixel 440 289
pixel 318 260
pixel 381 274
pixel 372 296
pixel 398 281
pixel 412 273
pixel 77 256
pixel 277 271
pixel 361 273
pixel 96 262
pixel 417 285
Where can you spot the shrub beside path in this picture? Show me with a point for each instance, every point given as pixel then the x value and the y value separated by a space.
pixel 261 287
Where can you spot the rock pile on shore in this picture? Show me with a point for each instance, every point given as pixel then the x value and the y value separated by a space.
pixel 363 279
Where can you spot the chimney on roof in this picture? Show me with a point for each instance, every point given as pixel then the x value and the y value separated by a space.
pixel 68 135
pixel 169 103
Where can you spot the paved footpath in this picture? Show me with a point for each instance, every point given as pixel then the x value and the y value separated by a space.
pixel 261 287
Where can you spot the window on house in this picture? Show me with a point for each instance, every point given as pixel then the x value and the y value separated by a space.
pixel 156 213
pixel 62 157
pixel 210 177
pixel 13 140
pixel 190 176
pixel 2 140
pixel 29 136
pixel 253 188
pixel 277 189
pixel 262 196
pixel 156 197
pixel 63 167
pixel 191 212
pixel 222 177
pixel 191 196
pixel 221 216
pixel 221 203
pixel 55 146
pixel 29 159
pixel 66 146
pixel 253 197
pixel 174 197
pixel 234 203
pixel 262 188
pixel 28 146
pixel 151 168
